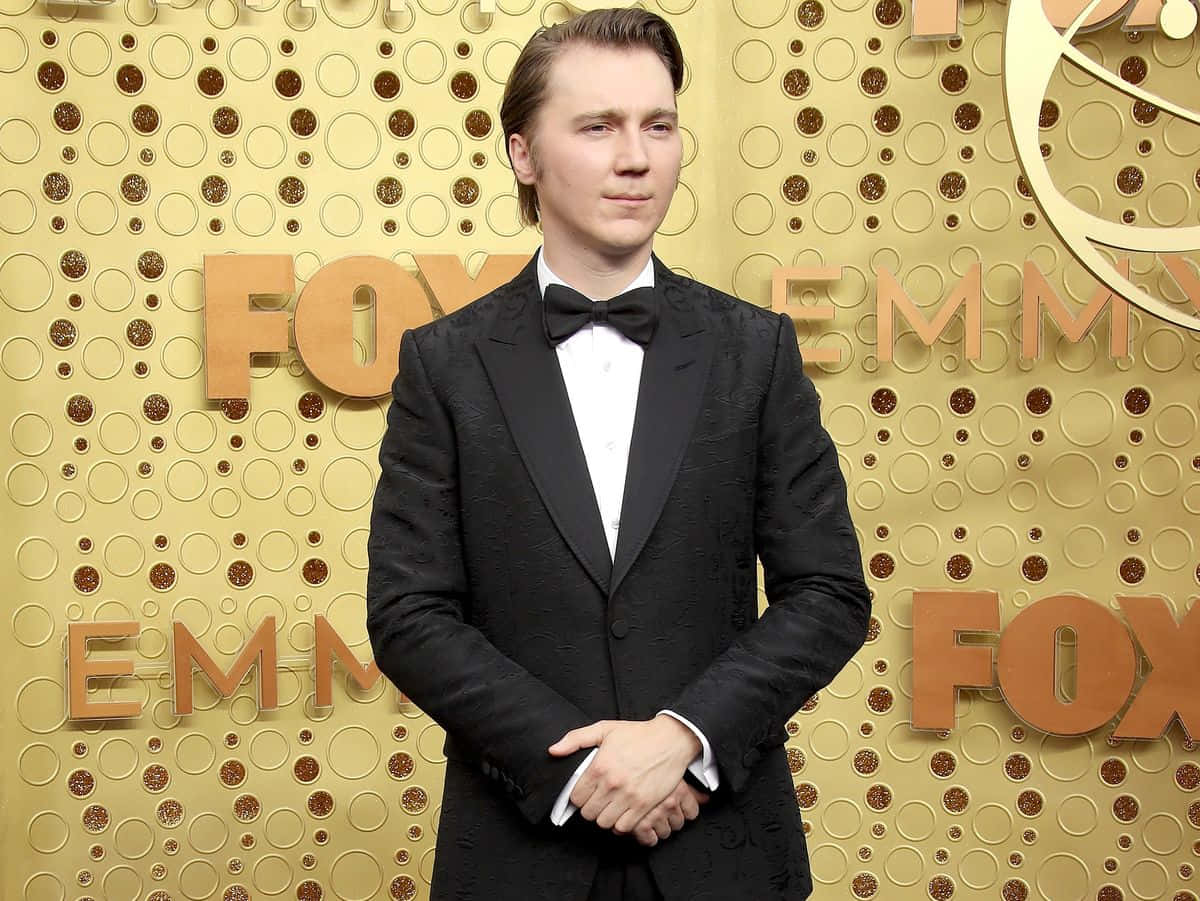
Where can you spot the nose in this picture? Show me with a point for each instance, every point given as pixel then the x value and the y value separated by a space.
pixel 631 152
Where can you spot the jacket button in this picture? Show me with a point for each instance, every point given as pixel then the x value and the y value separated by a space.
pixel 620 628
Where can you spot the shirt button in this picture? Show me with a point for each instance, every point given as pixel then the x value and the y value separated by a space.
pixel 611 445
pixel 616 524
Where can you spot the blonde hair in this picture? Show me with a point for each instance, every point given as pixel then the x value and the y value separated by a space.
pixel 525 90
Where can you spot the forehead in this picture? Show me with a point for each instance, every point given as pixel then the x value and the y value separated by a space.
pixel 586 76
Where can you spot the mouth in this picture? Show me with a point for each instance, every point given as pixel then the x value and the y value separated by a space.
pixel 628 199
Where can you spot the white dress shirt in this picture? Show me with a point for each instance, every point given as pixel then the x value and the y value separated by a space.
pixel 602 370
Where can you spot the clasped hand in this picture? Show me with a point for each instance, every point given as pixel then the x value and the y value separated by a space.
pixel 634 783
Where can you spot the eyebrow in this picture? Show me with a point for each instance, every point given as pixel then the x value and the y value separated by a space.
pixel 660 113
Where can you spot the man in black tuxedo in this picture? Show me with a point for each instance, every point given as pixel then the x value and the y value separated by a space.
pixel 578 472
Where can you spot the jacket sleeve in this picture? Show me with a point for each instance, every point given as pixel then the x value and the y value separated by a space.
pixel 818 601
pixel 417 589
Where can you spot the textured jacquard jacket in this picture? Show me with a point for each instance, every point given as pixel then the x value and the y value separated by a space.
pixel 493 603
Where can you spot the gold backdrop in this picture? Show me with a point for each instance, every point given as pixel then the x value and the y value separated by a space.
pixel 136 138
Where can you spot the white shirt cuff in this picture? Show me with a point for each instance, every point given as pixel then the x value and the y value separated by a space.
pixel 563 808
pixel 704 766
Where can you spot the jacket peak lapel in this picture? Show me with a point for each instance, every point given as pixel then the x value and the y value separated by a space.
pixel 529 386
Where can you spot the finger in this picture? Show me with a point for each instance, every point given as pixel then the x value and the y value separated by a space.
pixel 583 737
pixel 676 820
pixel 662 828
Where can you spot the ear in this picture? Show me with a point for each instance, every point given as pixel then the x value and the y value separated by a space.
pixel 522 164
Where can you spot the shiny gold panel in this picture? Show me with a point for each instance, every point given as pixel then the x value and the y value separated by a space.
pixel 835 166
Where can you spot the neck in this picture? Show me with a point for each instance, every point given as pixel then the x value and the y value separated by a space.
pixel 595 274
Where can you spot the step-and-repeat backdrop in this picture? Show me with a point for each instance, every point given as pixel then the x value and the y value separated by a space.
pixel 217 219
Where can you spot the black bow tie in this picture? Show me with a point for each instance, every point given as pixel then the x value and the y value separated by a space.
pixel 634 313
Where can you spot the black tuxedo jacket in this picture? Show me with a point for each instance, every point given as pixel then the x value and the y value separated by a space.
pixel 494 604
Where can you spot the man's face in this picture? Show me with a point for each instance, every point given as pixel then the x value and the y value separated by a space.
pixel 607 129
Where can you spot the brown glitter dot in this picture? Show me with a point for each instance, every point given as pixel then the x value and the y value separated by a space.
pixel 291 190
pixel 288 83
pixel 1017 766
pixel 959 567
pixel 210 81
pixel 403 888
pixel 310 405
pixel 941 888
pixel 864 885
pixel 81 783
pixel 400 765
pixel 67 116
pixel 235 408
pixel 86 579
pixel 874 627
pixel 155 777
pixel 304 736
pixel 1034 567
pixel 140 333
pixel 306 768
pixel 872 186
pixel 873 81
pixel 309 890
pixel 1132 570
pixel 1112 771
pixel 130 79
pixel 1130 180
pixel 134 188
pixel 236 892
pixel 402 123
pixel 888 12
pixel 955 799
pixel 795 188
pixel 1030 802
pixel 942 763
pixel 302 122
pixel 240 573
pixel 952 185
pixel 232 773
pixel 1144 113
pixel 389 190
pixel 796 82
pixel 954 78
pixel 1187 776
pixel 1133 69
pixel 962 401
pixel 95 818
pixel 1137 401
pixel 886 119
pixel 967 116
pixel 1014 890
pixel 73 264
pixel 866 762
pixel 150 264
pixel 796 760
pixel 320 803
pixel 246 808
pixel 880 699
pixel 810 14
pixel 414 799
pixel 882 565
pixel 315 571
pixel 883 401
pixel 477 123
pixel 79 408
pixel 810 120
pixel 465 191
pixel 464 85
pixel 806 795
pixel 386 84
pixel 879 796
pixel 214 189
pixel 162 576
